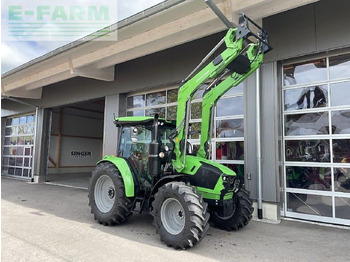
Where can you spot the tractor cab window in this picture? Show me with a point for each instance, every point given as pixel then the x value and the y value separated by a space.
pixel 134 142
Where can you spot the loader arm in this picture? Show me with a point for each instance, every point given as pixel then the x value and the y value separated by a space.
pixel 255 55
pixel 189 87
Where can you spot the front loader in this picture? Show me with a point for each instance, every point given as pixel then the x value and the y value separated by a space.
pixel 154 171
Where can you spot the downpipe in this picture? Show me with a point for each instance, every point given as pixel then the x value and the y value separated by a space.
pixel 258 142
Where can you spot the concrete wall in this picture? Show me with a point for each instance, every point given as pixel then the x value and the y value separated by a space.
pixel 313 28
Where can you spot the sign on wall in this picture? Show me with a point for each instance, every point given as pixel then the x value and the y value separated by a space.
pixel 81 154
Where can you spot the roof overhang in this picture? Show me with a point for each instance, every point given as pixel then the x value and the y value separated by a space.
pixel 166 25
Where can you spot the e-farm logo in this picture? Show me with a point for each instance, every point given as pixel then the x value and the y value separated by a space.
pixel 55 20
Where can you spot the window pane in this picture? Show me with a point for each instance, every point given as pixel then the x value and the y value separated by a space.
pixel 8 121
pixel 314 178
pixel 18 172
pixel 157 98
pixel 340 94
pixel 307 124
pixel 20 140
pixel 342 207
pixel 309 204
pixel 136 101
pixel 27 152
pixel 230 106
pixel 196 110
pixel 172 95
pixel 341 122
pixel 341 150
pixel 230 128
pixel 5 161
pixel 152 111
pixel 22 120
pixel 13 140
pixel 30 119
pixel 26 161
pixel 339 66
pixel 171 112
pixel 308 97
pixel 135 113
pixel 25 172
pixel 8 131
pixel 342 179
pixel 199 93
pixel 235 90
pixel 7 141
pixel 307 150
pixel 11 171
pixel 15 121
pixel 6 151
pixel 230 150
pixel 195 130
pixel 12 161
pixel 28 140
pixel 19 161
pixel 19 151
pixel 306 72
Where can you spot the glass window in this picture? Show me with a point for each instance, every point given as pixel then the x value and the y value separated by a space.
pixel 30 119
pixel 342 179
pixel 15 121
pixel 22 120
pixel 26 161
pixel 342 207
pixel 340 94
pixel 341 122
pixel 195 130
pixel 230 128
pixel 136 101
pixel 339 66
pixel 172 95
pixel 341 150
pixel 196 110
pixel 172 112
pixel 303 98
pixel 25 172
pixel 307 124
pixel 152 111
pixel 309 204
pixel 135 113
pixel 157 98
pixel 307 150
pixel 230 106
pixel 305 72
pixel 314 178
pixel 230 150
pixel 8 121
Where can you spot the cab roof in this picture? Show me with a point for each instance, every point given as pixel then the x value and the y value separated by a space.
pixel 141 120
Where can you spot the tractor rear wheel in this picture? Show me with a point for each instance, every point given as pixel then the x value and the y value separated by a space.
pixel 180 215
pixel 241 215
pixel 107 197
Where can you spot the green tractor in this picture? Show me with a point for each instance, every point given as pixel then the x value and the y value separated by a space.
pixel 154 170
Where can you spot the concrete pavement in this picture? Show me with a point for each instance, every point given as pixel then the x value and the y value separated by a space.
pixel 50 223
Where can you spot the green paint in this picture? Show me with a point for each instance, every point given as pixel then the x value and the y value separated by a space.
pixel 211 98
pixel 125 172
pixel 15 12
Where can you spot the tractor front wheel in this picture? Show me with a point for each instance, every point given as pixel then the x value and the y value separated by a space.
pixel 241 215
pixel 107 197
pixel 180 215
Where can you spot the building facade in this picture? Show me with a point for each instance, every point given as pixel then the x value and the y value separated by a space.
pixel 62 124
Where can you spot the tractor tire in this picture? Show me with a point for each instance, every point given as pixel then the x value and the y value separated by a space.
pixel 107 197
pixel 240 216
pixel 180 215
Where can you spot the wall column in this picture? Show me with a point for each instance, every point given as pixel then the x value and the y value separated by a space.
pixel 41 144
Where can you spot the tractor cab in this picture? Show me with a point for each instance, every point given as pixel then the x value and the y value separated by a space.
pixel 144 142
